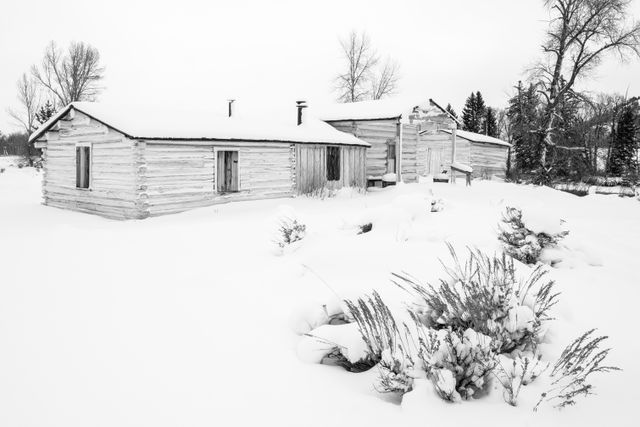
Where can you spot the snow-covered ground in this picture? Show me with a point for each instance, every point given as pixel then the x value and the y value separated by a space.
pixel 188 320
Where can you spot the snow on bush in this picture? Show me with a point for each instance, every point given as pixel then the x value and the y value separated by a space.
pixel 342 343
pixel 437 205
pixel 458 363
pixel 290 228
pixel 524 236
pixel 484 294
pixel 571 373
pixel 517 370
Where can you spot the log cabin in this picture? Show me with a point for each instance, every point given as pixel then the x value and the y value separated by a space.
pixel 133 163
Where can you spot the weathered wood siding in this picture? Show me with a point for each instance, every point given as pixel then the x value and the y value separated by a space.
pixel 439 145
pixel 379 134
pixel 182 175
pixel 114 164
pixel 488 160
pixel 311 168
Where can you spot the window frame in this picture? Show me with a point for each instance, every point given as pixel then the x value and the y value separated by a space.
pixel 88 145
pixel 336 168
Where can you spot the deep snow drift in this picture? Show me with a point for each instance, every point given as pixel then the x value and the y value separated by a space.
pixel 192 319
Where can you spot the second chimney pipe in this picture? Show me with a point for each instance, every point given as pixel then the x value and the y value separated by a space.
pixel 231 101
pixel 300 105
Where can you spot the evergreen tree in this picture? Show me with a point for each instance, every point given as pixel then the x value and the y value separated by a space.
pixel 523 114
pixel 624 148
pixel 45 112
pixel 474 113
pixel 469 120
pixel 481 112
pixel 451 111
pixel 490 123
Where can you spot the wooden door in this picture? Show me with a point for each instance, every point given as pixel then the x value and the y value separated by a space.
pixel 434 161
pixel 228 180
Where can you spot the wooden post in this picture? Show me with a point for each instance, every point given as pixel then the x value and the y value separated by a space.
pixel 453 153
pixel 399 154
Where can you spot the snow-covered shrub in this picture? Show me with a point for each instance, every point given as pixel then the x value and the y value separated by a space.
pixel 376 324
pixel 336 345
pixel 570 374
pixel 517 370
pixel 387 344
pixel 365 228
pixel 485 295
pixel 458 363
pixel 290 230
pixel 525 242
pixel 393 373
pixel 437 205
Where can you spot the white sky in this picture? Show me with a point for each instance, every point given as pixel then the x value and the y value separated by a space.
pixel 267 54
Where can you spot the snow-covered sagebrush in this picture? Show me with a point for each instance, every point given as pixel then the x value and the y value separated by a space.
pixel 290 230
pixel 485 295
pixel 525 238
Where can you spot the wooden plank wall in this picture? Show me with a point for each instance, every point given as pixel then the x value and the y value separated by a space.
pixel 488 160
pixel 377 133
pixel 311 168
pixel 114 163
pixel 442 142
pixel 181 176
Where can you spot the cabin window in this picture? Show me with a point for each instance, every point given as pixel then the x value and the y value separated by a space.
pixel 227 176
pixel 83 166
pixel 391 156
pixel 333 163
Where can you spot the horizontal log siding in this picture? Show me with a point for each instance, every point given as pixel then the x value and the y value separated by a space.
pixel 414 155
pixel 377 133
pixel 113 191
pixel 311 168
pixel 179 177
pixel 488 160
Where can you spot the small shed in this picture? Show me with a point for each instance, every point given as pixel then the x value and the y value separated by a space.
pixel 393 127
pixel 125 162
pixel 485 154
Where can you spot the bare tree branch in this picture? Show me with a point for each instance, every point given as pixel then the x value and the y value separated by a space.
pixel 72 76
pixel 361 59
pixel 28 96
pixel 386 82
pixel 581 33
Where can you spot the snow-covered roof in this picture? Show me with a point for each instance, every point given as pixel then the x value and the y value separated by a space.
pixel 388 108
pixel 187 124
pixel 477 137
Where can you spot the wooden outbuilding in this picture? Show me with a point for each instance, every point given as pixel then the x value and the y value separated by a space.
pixel 130 162
pixel 412 139
pixel 487 156
pixel 393 128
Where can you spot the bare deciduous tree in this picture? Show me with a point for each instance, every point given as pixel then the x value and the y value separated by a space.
pixel 580 33
pixel 386 81
pixel 71 76
pixel 28 96
pixel 361 60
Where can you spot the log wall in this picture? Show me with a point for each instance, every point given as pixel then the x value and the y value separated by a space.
pixel 114 164
pixel 488 160
pixel 411 156
pixel 182 175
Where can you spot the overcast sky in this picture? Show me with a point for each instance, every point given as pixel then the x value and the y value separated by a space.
pixel 267 54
